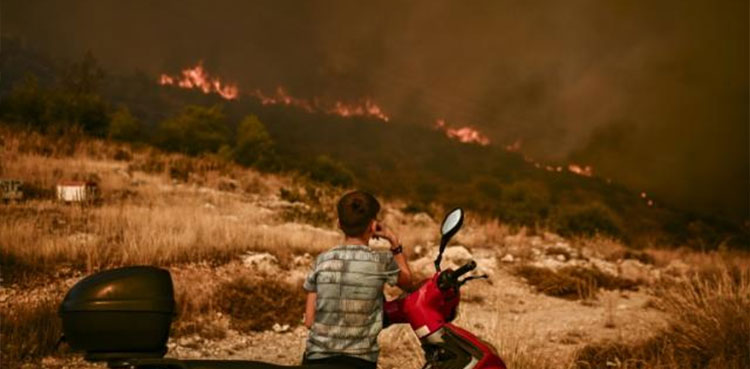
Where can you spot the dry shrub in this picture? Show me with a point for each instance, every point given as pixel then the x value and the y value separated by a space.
pixel 29 330
pixel 480 232
pixel 400 348
pixel 197 311
pixel 209 326
pixel 709 328
pixel 607 248
pixel 151 163
pixel 702 260
pixel 512 343
pixel 625 254
pixel 122 155
pixel 255 304
pixel 572 282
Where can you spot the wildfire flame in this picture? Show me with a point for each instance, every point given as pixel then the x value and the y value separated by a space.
pixel 197 77
pixel 463 134
pixel 365 108
pixel 585 171
pixel 283 98
pixel 515 146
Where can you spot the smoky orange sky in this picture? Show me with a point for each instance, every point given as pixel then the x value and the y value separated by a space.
pixel 653 94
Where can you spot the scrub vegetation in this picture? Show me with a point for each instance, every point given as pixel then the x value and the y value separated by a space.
pixel 424 167
pixel 199 216
pixel 709 327
pixel 200 188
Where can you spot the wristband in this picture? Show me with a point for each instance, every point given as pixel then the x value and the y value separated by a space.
pixel 399 249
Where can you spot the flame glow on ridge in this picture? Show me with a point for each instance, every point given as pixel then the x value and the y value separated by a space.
pixel 585 171
pixel 364 108
pixel 464 134
pixel 197 77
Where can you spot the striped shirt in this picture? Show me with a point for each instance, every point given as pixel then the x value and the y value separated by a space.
pixel 349 283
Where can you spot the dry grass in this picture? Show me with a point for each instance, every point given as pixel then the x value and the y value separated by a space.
pixel 723 259
pixel 256 304
pixel 572 282
pixel 483 233
pixel 145 218
pixel 709 328
pixel 42 237
pixel 208 306
pixel 197 308
pixel 29 330
pixel 511 342
pixel 195 214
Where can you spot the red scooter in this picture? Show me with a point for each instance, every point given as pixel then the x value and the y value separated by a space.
pixel 123 316
pixel 431 309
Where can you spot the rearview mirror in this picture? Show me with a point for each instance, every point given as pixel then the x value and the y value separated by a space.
pixel 450 226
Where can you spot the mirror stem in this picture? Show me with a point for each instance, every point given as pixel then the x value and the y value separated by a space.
pixel 439 257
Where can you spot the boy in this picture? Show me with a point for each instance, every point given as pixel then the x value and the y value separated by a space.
pixel 344 308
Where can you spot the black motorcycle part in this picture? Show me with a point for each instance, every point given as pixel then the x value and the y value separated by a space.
pixel 120 313
pixel 213 364
pixel 445 349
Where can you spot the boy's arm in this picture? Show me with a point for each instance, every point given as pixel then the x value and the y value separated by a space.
pixel 404 274
pixel 310 309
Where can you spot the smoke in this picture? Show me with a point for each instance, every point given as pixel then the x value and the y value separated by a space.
pixel 652 94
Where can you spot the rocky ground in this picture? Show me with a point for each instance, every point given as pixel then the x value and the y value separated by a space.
pixel 504 310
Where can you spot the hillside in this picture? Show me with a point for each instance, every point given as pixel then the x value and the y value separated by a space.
pixel 401 160
pixel 232 234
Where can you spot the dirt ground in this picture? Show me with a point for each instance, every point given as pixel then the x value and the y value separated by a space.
pixel 504 310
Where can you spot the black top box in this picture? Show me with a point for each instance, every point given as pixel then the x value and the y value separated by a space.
pixel 120 314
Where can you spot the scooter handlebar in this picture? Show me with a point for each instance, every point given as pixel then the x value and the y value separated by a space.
pixel 449 278
pixel 471 265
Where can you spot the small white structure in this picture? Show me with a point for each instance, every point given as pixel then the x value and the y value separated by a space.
pixel 77 191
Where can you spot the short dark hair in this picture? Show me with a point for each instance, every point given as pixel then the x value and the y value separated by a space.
pixel 356 209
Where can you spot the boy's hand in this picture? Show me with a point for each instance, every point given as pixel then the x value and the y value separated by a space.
pixel 382 231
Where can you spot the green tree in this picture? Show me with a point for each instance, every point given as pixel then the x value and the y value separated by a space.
pixel 27 103
pixel 83 77
pixel 123 126
pixel 587 219
pixel 325 169
pixel 77 102
pixel 253 145
pixel 524 202
pixel 194 130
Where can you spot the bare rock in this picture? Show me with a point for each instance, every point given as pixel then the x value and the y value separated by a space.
pixel 677 268
pixel 508 258
pixel 423 219
pixel 278 328
pixel 604 266
pixel 457 255
pixel 548 263
pixel 634 270
pixel 303 260
pixel 453 257
pixel 260 261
